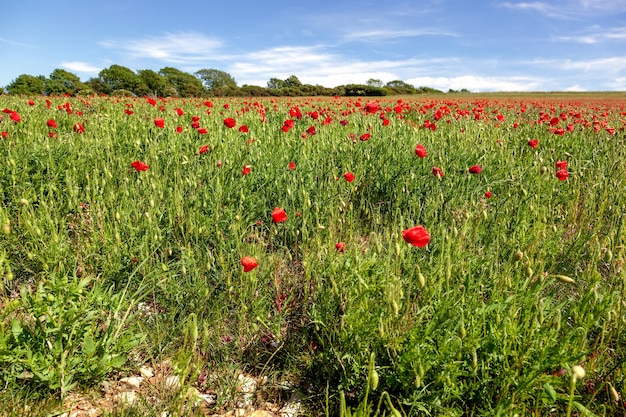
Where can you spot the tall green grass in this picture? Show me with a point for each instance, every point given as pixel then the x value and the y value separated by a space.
pixel 488 319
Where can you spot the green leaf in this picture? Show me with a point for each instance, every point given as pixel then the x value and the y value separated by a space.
pixel 89 347
pixel 118 361
pixel 549 389
pixel 16 329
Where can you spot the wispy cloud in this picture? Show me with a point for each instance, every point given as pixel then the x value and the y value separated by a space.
pixel 604 5
pixel 14 43
pixel 385 35
pixel 568 9
pixel 78 66
pixel 178 48
pixel 539 7
pixel 616 34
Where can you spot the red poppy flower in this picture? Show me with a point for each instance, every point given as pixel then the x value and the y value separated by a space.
pixel 204 149
pixel 246 170
pixel 180 112
pixel 475 169
pixel 365 136
pixel 561 165
pixel 129 112
pixel 179 129
pixel 203 131
pixel 15 116
pixel 349 176
pixel 52 134
pixel 488 194
pixel 243 129
pixel 371 107
pixel 4 134
pixel 52 124
pixel 229 122
pixel 139 166
pixel 420 151
pixel 31 103
pixel 416 236
pixel 279 215
pixel 159 122
pixel 79 128
pixel 292 166
pixel 533 143
pixel 437 172
pixel 562 174
pixel 340 246
pixel 248 263
pixel 311 130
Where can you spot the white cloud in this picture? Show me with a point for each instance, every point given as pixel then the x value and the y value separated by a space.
pixel 179 48
pixel 575 88
pixel 381 35
pixel 543 8
pixel 314 65
pixel 479 83
pixel 616 34
pixel 78 66
pixel 12 42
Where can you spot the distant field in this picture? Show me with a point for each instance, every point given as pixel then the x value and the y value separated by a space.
pixel 457 254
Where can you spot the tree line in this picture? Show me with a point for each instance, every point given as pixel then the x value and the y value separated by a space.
pixel 118 80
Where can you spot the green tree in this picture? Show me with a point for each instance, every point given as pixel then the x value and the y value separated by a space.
pixel 117 77
pixel 374 82
pixel 254 91
pixel 275 83
pixel 213 78
pixel 152 84
pixel 292 81
pixel 185 84
pixel 63 82
pixel 400 87
pixel 27 84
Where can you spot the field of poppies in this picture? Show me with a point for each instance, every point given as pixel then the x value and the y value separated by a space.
pixel 444 255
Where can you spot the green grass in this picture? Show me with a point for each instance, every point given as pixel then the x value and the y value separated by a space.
pixel 488 319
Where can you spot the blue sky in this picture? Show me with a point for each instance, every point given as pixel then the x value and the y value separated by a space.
pixel 492 45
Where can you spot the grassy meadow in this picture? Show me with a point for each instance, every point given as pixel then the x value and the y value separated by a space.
pixel 280 238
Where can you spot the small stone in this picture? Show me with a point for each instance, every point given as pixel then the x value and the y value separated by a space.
pixel 132 381
pixel 247 384
pixel 261 413
pixel 146 372
pixel 127 398
pixel 292 408
pixel 172 382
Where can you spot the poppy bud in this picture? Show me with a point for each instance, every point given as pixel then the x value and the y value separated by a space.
pixel 578 372
pixel 614 394
pixel 23 201
pixel 421 280
pixel 6 229
pixel 565 279
pixel 518 256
